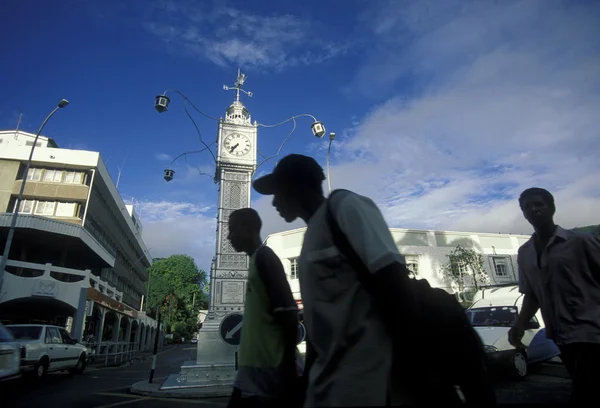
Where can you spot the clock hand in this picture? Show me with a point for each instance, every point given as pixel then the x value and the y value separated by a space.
pixel 234 147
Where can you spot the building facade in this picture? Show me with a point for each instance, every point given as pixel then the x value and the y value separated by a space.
pixel 426 252
pixel 77 258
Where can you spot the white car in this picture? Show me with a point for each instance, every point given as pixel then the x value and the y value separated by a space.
pixel 48 348
pixel 10 356
pixel 492 314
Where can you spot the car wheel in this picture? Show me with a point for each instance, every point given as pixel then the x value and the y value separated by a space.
pixel 80 366
pixel 518 364
pixel 41 369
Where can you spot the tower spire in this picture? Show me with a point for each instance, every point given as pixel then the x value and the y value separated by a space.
pixel 237 112
pixel 239 82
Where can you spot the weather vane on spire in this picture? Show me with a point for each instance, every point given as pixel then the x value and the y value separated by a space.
pixel 238 86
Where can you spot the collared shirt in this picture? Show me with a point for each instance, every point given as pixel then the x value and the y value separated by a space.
pixel 565 280
pixel 353 348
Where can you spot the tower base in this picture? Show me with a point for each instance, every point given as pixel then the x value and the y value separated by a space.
pixel 214 368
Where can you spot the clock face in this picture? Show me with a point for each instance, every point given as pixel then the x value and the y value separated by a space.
pixel 236 144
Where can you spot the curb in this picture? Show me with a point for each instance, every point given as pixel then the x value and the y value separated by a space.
pixel 153 390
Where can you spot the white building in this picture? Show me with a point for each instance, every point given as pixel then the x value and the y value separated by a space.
pixel 77 258
pixel 426 253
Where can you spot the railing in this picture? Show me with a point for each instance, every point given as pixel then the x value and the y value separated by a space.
pixel 110 352
pixel 65 276
pixel 105 288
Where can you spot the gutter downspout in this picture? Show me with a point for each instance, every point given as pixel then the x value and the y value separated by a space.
pixel 87 203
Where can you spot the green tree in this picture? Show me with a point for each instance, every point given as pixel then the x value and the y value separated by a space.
pixel 591 229
pixel 465 268
pixel 176 275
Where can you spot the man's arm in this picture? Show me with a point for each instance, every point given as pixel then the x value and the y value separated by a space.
pixel 368 233
pixel 282 302
pixel 591 248
pixel 528 310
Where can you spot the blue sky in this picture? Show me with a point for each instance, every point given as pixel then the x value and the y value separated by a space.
pixel 444 111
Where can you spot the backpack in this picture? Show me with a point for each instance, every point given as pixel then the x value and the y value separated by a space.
pixel 444 351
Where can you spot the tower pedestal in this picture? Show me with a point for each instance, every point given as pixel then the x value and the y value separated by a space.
pixel 213 372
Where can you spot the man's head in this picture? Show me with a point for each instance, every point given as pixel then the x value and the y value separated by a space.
pixel 537 205
pixel 244 229
pixel 295 179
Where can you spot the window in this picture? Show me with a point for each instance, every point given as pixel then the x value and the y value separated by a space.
pixel 412 264
pixel 5 335
pixel 53 336
pixel 55 176
pixel 37 144
pixel 73 177
pixel 501 266
pixel 25 333
pixel 34 174
pixel 26 206
pixel 66 339
pixel 45 208
pixel 65 209
pixel 294 268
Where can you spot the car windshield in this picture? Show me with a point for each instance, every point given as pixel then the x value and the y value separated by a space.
pixel 5 336
pixel 25 332
pixel 500 316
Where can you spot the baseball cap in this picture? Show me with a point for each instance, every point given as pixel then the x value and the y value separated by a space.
pixel 292 170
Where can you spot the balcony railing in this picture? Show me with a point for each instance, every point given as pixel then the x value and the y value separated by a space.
pixel 49 273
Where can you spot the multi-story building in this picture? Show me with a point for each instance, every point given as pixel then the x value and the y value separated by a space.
pixel 77 258
pixel 427 254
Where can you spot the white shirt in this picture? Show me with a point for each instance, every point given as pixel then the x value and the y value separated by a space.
pixel 354 349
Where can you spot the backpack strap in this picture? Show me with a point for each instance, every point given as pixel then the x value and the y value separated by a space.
pixel 343 245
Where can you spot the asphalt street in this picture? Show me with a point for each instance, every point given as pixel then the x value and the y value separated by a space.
pixel 109 387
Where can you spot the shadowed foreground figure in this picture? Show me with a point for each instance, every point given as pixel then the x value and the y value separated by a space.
pixel 364 344
pixel 266 374
pixel 559 272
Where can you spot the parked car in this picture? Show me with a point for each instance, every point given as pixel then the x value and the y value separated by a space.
pixel 48 348
pixel 492 314
pixel 10 356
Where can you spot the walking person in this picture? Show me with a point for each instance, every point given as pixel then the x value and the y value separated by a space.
pixel 559 272
pixel 351 334
pixel 266 373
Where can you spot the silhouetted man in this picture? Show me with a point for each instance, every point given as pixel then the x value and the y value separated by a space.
pixel 559 272
pixel 267 354
pixel 350 339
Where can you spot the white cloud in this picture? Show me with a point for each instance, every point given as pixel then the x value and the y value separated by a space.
pixel 502 96
pixel 163 157
pixel 225 35
pixel 509 101
pixel 171 228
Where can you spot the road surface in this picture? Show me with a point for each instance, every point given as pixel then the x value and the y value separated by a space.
pixel 108 387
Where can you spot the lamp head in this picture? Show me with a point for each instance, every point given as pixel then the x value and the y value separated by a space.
pixel 318 129
pixel 169 174
pixel 161 103
pixel 63 103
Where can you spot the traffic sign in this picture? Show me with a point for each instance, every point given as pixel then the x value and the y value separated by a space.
pixel 301 333
pixel 231 329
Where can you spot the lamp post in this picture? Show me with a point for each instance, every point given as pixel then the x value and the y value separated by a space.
pixel 13 223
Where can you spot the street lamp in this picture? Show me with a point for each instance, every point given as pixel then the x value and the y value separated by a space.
pixel 13 223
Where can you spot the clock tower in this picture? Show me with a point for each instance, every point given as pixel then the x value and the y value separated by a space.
pixel 214 369
pixel 236 162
